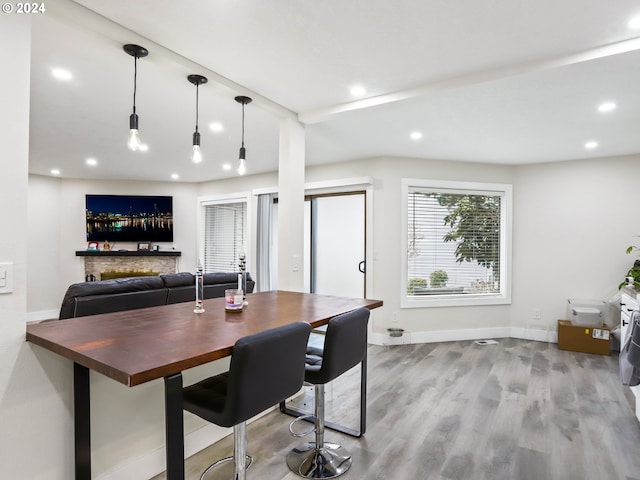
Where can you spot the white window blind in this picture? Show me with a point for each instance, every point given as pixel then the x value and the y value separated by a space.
pixel 455 244
pixel 224 236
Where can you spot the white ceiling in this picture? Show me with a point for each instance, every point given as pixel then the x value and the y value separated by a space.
pixel 497 81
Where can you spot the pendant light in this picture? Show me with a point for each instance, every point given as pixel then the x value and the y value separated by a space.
pixel 196 155
pixel 242 164
pixel 136 51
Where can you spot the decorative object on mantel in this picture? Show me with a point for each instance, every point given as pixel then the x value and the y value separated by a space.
pixel 106 247
pixel 136 51
pixel 93 246
pixel 144 246
pixel 242 164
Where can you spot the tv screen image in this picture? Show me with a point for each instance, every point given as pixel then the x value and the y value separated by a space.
pixel 129 218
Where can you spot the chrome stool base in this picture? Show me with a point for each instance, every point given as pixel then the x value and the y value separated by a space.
pixel 329 461
pixel 249 461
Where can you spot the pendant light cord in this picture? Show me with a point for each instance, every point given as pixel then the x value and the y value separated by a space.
pixel 243 125
pixel 197 90
pixel 135 80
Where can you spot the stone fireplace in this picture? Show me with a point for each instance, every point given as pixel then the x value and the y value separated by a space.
pixel 104 265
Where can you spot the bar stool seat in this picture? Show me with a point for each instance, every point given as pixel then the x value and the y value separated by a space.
pixel 265 369
pixel 345 346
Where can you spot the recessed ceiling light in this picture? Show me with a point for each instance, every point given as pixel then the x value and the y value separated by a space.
pixel 226 166
pixel 216 127
pixel 143 148
pixel 591 145
pixel 92 162
pixel 415 135
pixel 607 107
pixel 175 176
pixel 358 90
pixel 55 171
pixel 634 23
pixel 61 74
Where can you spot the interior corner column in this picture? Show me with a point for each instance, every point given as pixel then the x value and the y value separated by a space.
pixel 291 206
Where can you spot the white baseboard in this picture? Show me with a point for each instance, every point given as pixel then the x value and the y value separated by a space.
pixel 378 338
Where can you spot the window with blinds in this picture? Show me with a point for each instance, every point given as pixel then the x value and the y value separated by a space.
pixel 456 243
pixel 224 235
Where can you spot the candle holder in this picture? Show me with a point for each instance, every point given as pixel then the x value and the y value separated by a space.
pixel 233 300
pixel 242 276
pixel 199 307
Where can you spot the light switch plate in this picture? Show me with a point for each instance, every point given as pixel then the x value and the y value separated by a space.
pixel 6 277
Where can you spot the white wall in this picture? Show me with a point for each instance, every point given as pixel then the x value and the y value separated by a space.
pixel 44 247
pixel 35 386
pixel 572 224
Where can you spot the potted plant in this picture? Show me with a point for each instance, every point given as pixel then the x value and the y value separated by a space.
pixel 438 279
pixel 634 271
pixel 416 283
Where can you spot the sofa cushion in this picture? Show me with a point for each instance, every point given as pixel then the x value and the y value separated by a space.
pixel 220 277
pixel 106 287
pixel 181 279
pixel 97 304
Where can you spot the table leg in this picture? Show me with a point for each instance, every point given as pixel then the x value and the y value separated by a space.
pixel 82 421
pixel 174 425
pixel 363 396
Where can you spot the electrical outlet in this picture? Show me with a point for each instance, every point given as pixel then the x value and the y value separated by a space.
pixel 536 314
pixel 394 317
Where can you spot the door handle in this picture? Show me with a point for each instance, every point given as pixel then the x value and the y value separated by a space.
pixel 362 266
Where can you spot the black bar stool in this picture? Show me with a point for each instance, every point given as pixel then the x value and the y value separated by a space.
pixel 265 369
pixel 345 346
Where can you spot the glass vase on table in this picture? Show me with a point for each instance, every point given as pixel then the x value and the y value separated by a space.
pixel 199 307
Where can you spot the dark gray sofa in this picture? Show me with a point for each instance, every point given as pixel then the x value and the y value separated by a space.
pixel 92 298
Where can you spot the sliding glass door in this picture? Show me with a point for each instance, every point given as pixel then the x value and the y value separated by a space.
pixel 335 244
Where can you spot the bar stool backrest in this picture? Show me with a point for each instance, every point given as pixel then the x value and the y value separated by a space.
pixel 265 369
pixel 345 346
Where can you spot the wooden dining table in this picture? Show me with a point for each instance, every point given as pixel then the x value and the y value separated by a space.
pixel 136 346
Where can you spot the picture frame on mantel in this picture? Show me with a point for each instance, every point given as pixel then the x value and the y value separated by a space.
pixel 144 246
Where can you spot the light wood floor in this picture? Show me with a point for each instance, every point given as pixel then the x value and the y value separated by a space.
pixel 517 410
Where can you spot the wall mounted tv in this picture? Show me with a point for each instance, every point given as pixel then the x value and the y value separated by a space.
pixel 129 218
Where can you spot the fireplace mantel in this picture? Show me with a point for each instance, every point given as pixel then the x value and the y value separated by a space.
pixel 128 253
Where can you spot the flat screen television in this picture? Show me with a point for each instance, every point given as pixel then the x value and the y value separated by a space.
pixel 129 218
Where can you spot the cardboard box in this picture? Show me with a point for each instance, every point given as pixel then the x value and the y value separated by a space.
pixel 583 339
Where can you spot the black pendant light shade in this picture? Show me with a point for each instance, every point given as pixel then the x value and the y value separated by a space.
pixel 242 164
pixel 196 155
pixel 136 51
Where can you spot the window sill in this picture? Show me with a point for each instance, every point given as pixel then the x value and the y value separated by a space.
pixel 439 300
